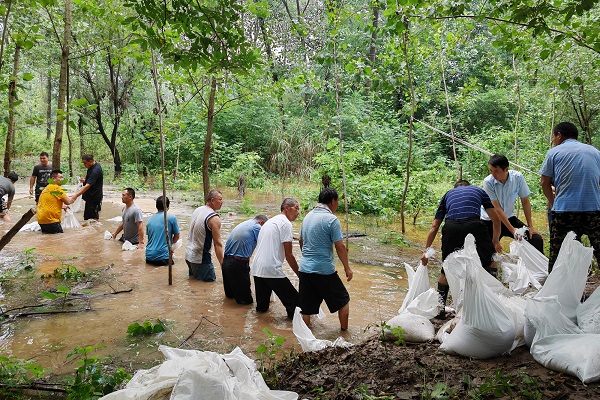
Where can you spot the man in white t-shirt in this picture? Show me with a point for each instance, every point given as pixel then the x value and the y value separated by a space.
pixel 273 248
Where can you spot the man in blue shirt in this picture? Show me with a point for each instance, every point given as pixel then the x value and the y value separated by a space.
pixel 236 264
pixel 461 208
pixel 321 231
pixel 504 186
pixel 157 250
pixel 574 170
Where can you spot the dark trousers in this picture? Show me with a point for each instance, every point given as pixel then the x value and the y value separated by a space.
pixel 282 287
pixel 92 210
pixel 454 233
pixel 536 240
pixel 236 280
pixel 582 223
pixel 51 228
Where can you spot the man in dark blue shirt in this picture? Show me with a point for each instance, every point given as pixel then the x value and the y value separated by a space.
pixel 461 208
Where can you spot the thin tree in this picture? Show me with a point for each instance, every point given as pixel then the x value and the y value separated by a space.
pixel 12 104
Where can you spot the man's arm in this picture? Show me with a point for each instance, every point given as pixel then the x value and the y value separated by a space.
pixel 31 184
pixel 140 226
pixel 546 183
pixel 342 253
pixel 527 211
pixel 176 237
pixel 496 224
pixel 82 190
pixel 214 224
pixel 435 226
pixel 119 229
pixel 289 256
pixel 502 216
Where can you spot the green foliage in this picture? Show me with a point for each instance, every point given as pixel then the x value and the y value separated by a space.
pixel 94 377
pixel 147 328
pixel 505 384
pixel 268 350
pixel 28 260
pixel 440 391
pixel 246 208
pixel 15 372
pixel 62 292
pixel 66 272
pixel 398 333
pixel 247 167
pixel 131 177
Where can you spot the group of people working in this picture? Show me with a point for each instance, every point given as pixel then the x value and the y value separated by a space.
pixel 570 180
pixel 271 242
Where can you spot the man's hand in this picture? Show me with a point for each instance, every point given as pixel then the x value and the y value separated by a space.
pixel 349 274
pixel 424 259
pixel 30 190
pixel 498 247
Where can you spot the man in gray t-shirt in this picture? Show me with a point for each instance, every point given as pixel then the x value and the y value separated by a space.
pixel 7 187
pixel 40 175
pixel 132 224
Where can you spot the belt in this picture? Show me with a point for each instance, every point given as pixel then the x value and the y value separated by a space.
pixel 238 258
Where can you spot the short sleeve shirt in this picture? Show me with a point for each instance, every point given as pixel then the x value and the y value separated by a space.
pixel 157 248
pixel 42 174
pixel 242 239
pixel 270 254
pixel 320 230
pixel 49 209
pixel 131 216
pixel 95 178
pixel 506 193
pixel 575 171
pixel 463 202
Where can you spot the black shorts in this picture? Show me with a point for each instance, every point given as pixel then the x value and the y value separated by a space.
pixel 314 288
pixel 159 263
pixel 454 233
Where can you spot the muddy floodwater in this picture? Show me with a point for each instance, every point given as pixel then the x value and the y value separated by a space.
pixel 196 314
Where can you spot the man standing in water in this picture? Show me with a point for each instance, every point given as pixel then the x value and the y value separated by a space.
pixel 7 187
pixel 205 230
pixel 132 223
pixel 504 186
pixel 574 170
pixel 274 246
pixel 50 204
pixel 321 231
pixel 92 188
pixel 236 265
pixel 157 250
pixel 40 175
pixel 461 208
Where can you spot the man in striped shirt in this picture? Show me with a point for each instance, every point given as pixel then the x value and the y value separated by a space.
pixel 461 208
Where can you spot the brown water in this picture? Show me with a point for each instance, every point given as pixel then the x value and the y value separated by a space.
pixel 376 291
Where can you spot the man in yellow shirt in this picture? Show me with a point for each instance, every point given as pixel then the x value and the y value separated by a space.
pixel 52 200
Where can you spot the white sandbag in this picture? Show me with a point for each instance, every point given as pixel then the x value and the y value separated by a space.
pixel 418 283
pixel 192 374
pixel 456 265
pixel 128 246
pixel 588 313
pixel 76 205
pixel 514 273
pixel 486 329
pixel 307 340
pixel 516 307
pixel 417 328
pixel 569 275
pixel 447 328
pixel 118 218
pixel 559 344
pixel 428 304
pixel 572 354
pixel 177 244
pixel 107 235
pixel 70 222
pixel 31 227
pixel 534 261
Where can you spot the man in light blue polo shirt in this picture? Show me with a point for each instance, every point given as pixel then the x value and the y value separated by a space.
pixel 321 231
pixel 574 170
pixel 503 186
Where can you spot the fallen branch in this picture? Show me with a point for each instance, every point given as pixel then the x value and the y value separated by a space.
pixel 195 329
pixel 15 229
pixel 45 387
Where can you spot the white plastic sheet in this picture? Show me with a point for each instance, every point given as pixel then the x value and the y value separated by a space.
pixel 70 222
pixel 128 246
pixel 107 235
pixel 486 328
pixel 535 262
pixel 306 338
pixel 31 227
pixel 194 375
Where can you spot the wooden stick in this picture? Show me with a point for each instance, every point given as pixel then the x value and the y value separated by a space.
pixel 13 231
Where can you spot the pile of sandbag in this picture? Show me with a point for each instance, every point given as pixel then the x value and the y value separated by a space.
pixel 307 340
pixel 193 374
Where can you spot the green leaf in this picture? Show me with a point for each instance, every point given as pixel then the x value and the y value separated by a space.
pixel 544 54
pixel 49 295
pixel 63 289
pixel 27 76
pixel 80 102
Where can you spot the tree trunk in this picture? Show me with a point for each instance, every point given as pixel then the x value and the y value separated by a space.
pixel 62 86
pixel 373 45
pixel 410 130
pixel 69 126
pixel 12 99
pixel 208 139
pixel 80 129
pixel 49 107
pixel 4 32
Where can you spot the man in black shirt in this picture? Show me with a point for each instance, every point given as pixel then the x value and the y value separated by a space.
pixel 40 175
pixel 91 191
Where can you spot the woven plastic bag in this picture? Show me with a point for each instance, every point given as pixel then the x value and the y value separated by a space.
pixel 76 206
pixel 307 340
pixel 534 261
pixel 70 222
pixel 588 313
pixel 486 328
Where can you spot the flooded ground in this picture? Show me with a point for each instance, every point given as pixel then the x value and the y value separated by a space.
pixel 192 310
